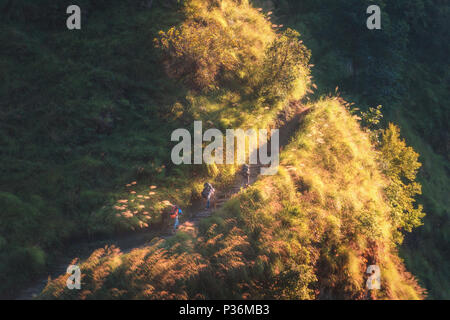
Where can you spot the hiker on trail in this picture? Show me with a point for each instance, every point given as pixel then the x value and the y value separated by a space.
pixel 207 193
pixel 174 214
pixel 245 172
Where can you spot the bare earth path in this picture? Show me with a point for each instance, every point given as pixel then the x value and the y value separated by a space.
pixel 288 121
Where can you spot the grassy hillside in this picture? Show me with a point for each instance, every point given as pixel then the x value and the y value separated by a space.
pixel 82 115
pixel 307 232
pixel 405 68
pixel 86 118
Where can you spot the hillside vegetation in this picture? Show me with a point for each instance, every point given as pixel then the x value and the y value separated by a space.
pixel 83 114
pixel 340 202
pixel 404 67
pixel 87 116
pixel 308 232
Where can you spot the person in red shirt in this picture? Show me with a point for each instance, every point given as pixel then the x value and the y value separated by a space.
pixel 174 214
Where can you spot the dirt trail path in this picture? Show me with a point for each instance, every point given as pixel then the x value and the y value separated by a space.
pixel 287 122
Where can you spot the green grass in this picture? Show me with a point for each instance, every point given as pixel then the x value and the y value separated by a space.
pixel 306 233
pixel 86 123
pixel 84 114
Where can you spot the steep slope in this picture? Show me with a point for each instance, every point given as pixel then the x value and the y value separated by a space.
pixel 404 67
pixel 87 116
pixel 101 159
pixel 308 232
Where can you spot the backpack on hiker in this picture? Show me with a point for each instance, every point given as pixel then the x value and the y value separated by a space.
pixel 245 171
pixel 208 190
pixel 175 212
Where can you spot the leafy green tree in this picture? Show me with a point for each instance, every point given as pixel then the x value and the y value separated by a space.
pixel 400 164
pixel 215 45
pixel 285 60
pixel 196 53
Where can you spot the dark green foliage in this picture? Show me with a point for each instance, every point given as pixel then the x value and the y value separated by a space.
pixel 81 113
pixel 84 112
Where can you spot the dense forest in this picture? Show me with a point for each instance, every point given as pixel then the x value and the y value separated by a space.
pixel 86 118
